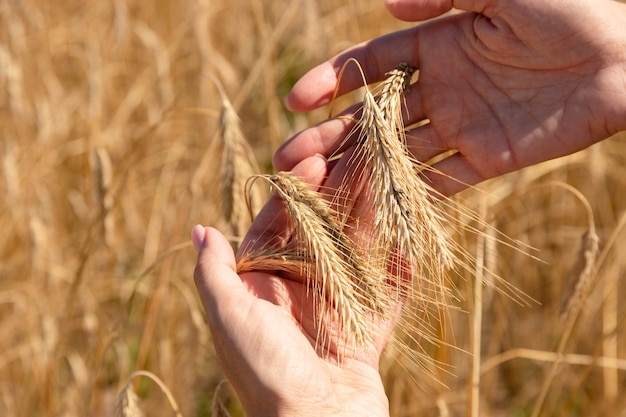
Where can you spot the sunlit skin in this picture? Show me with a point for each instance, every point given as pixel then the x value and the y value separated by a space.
pixel 506 84
pixel 520 83
pixel 264 330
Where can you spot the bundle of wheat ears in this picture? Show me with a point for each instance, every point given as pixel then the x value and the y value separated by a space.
pixel 356 268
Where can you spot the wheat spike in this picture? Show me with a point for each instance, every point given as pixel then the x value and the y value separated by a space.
pixel 335 270
pixel 405 218
pixel 238 164
pixel 128 403
pixel 391 95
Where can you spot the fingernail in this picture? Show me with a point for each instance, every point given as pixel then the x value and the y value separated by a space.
pixel 197 236
pixel 287 102
pixel 320 156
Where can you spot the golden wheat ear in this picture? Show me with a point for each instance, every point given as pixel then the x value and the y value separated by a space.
pixel 344 285
pixel 238 163
pixel 405 218
pixel 390 97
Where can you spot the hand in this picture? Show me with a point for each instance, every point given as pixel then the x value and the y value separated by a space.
pixel 506 84
pixel 264 335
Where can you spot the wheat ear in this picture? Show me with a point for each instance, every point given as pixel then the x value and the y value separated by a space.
pixel 237 165
pixel 335 270
pixel 405 218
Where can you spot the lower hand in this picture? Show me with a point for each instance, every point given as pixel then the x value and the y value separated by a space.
pixel 264 334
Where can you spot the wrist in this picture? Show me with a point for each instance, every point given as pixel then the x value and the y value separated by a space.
pixel 357 391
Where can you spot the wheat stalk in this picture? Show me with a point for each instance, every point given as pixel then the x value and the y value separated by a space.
pixel 128 402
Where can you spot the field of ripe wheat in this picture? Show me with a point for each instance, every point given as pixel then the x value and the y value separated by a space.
pixel 111 149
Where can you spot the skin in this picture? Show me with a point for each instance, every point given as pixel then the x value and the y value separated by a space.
pixel 264 332
pixel 506 84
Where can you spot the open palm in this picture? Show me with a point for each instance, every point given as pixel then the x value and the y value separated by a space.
pixel 519 83
pixel 264 330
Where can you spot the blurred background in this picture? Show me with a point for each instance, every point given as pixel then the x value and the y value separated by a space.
pixel 108 129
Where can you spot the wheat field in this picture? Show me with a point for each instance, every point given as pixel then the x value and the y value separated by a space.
pixel 109 143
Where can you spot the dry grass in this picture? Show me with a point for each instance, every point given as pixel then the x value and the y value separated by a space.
pixel 106 116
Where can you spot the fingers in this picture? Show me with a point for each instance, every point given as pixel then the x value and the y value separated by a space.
pixel 415 10
pixel 271 227
pixel 333 136
pixel 376 57
pixel 323 139
pixel 448 177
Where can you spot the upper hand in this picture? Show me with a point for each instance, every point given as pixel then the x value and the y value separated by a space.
pixel 507 84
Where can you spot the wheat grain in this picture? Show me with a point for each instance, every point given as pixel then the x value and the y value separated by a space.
pixel 390 97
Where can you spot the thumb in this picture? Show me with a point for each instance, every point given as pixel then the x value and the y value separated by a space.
pixel 215 274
